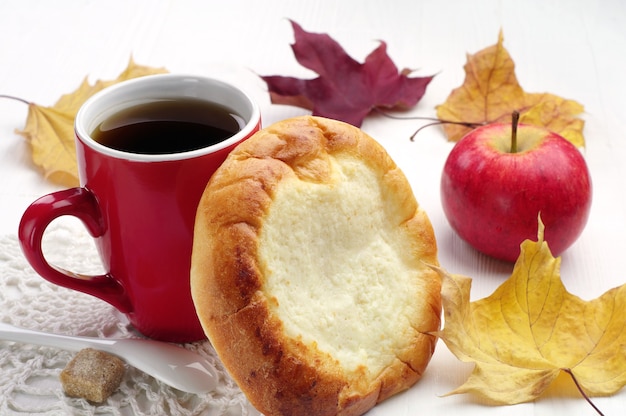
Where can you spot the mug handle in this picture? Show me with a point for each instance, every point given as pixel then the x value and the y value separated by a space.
pixel 82 204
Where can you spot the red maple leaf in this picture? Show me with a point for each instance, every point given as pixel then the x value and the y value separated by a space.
pixel 345 89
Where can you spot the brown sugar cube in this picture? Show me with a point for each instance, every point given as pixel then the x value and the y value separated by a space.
pixel 93 375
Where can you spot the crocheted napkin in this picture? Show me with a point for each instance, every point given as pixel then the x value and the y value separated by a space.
pixel 29 375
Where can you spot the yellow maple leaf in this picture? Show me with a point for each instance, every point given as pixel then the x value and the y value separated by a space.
pixel 490 93
pixel 50 130
pixel 531 329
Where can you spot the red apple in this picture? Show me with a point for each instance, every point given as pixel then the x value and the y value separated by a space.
pixel 492 196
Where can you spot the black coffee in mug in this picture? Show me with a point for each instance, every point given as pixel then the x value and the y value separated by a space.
pixel 168 126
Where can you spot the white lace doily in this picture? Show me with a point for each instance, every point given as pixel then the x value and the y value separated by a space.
pixel 29 375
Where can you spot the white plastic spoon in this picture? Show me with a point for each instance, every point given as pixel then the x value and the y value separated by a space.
pixel 176 366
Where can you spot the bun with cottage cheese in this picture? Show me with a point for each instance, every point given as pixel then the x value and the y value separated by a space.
pixel 310 270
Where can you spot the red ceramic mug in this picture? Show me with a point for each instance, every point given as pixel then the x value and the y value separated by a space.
pixel 140 208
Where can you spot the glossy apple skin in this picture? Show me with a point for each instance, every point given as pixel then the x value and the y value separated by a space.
pixel 492 197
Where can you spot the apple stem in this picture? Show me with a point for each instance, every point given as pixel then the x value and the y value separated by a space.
pixel 515 120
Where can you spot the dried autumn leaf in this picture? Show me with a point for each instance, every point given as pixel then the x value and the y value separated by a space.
pixel 50 130
pixel 345 90
pixel 490 93
pixel 530 329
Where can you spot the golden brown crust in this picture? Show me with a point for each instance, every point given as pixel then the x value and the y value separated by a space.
pixel 282 374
